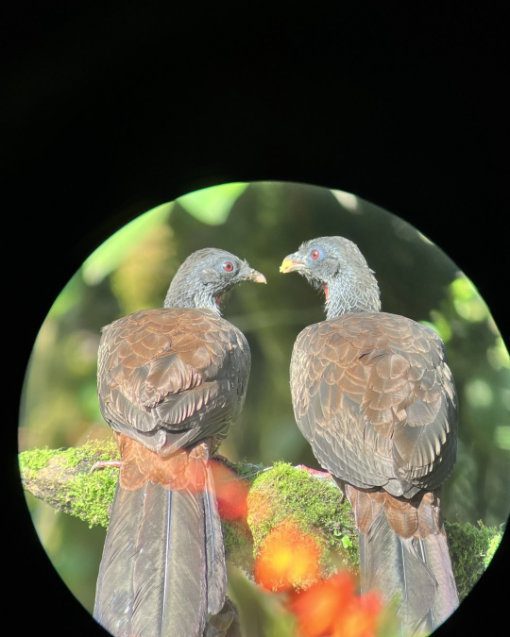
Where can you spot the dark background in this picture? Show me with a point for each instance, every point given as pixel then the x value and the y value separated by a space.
pixel 109 111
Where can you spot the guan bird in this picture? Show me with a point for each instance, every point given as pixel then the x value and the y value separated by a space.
pixel 373 395
pixel 170 383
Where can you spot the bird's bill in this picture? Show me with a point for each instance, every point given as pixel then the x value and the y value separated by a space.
pixel 256 277
pixel 291 263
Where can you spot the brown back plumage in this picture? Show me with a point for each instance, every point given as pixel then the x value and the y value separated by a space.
pixel 375 398
pixel 172 377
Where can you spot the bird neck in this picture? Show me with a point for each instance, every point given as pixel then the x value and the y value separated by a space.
pixel 190 296
pixel 352 292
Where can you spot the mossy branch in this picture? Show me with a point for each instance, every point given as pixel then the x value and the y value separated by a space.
pixel 64 479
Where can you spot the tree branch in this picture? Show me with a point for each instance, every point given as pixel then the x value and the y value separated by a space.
pixel 64 479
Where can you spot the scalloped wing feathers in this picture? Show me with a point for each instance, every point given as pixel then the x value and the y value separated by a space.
pixel 374 397
pixel 172 377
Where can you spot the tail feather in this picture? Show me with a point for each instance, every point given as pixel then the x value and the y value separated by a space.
pixel 392 565
pixel 114 591
pixel 437 558
pixel 163 565
pixel 184 595
pixel 215 553
pixel 416 570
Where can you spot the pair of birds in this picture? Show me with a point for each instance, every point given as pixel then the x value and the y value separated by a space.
pixel 371 392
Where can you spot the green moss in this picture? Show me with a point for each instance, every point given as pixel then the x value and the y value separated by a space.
pixel 90 496
pixel 89 453
pixel 63 478
pixel 491 549
pixel 471 549
pixel 33 460
pixel 317 506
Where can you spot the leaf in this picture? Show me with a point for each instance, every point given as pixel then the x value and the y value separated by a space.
pixel 262 614
pixel 212 205
pixel 108 256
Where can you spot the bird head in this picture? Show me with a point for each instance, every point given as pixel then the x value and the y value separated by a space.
pixel 336 265
pixel 205 276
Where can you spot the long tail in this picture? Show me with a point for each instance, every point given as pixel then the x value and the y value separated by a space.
pixel 404 554
pixel 163 567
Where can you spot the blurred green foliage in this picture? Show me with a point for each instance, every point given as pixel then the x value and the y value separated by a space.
pixel 263 222
pixel 472 545
pixel 262 614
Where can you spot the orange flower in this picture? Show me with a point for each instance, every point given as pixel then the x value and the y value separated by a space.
pixel 318 608
pixel 360 619
pixel 288 558
pixel 331 608
pixel 231 492
pixel 371 603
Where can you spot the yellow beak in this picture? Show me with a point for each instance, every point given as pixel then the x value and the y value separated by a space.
pixel 291 264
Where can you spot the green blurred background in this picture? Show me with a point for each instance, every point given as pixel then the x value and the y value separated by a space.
pixel 263 222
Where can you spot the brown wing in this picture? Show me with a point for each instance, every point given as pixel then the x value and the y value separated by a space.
pixel 374 397
pixel 172 377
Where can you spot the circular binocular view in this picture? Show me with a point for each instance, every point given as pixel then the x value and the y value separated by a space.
pixel 268 409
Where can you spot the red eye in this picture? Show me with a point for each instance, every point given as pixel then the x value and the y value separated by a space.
pixel 315 254
pixel 228 266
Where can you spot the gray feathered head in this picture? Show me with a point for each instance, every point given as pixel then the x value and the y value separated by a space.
pixel 337 266
pixel 205 276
